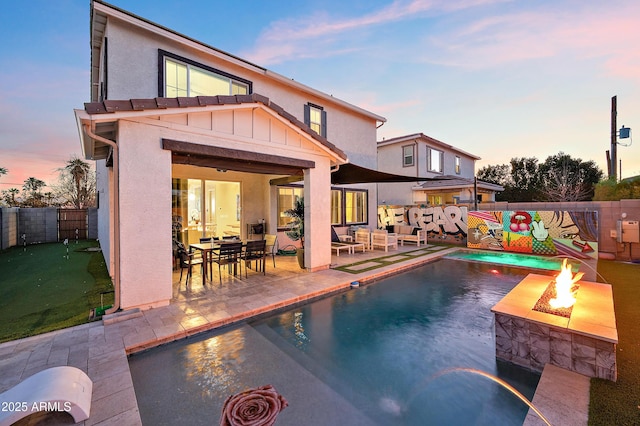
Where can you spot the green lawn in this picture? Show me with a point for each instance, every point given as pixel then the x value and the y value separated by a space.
pixel 41 290
pixel 619 403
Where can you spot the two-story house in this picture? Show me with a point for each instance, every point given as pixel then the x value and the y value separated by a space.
pixel 188 141
pixel 423 156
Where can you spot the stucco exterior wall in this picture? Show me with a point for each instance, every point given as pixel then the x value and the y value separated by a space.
pixel 133 73
pixel 104 178
pixel 145 200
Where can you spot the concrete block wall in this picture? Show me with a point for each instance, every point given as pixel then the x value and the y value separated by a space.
pixel 92 231
pixel 8 227
pixel 38 225
pixel 609 212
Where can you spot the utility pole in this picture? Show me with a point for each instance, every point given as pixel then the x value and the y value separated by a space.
pixel 614 142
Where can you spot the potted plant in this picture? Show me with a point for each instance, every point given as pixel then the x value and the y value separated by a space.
pixel 296 227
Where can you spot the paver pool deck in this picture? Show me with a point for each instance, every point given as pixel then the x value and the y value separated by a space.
pixel 101 348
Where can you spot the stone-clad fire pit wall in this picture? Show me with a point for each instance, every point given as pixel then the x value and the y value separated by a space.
pixel 585 342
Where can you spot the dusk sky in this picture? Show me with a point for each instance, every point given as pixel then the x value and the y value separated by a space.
pixel 498 79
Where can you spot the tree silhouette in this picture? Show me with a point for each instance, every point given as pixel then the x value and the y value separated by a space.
pixel 32 188
pixel 76 184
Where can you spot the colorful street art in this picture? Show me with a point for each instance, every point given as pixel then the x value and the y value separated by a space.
pixel 447 224
pixel 535 232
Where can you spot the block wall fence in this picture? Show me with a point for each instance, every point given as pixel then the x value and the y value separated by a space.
pixel 38 225
pixel 449 224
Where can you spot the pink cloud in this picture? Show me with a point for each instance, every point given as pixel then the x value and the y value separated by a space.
pixel 577 34
pixel 290 38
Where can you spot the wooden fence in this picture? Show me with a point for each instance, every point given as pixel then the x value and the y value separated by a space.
pixel 72 224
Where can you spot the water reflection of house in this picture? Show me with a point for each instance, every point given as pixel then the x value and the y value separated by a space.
pixel 423 156
pixel 187 140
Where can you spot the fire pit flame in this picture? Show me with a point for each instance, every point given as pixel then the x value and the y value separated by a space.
pixel 565 291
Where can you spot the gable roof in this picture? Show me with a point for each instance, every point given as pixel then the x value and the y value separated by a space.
pixel 153 105
pixel 100 11
pixel 426 139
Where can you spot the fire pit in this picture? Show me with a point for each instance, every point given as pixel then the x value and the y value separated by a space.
pixel 560 295
pixel 563 321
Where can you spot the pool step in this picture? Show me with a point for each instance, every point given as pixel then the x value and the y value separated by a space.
pixel 121 316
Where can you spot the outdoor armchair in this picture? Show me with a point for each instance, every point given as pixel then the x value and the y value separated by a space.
pixel 384 239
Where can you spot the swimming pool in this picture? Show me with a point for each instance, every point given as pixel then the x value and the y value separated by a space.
pixel 379 354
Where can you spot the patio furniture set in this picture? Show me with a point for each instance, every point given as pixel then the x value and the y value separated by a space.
pixel 378 239
pixel 229 252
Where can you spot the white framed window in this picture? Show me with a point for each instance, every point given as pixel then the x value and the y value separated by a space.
pixel 316 118
pixel 407 155
pixel 183 77
pixel 457 165
pixel 435 160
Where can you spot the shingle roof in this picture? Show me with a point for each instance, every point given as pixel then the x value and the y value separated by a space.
pixel 113 106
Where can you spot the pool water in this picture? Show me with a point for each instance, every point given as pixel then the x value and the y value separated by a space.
pixel 512 259
pixel 381 354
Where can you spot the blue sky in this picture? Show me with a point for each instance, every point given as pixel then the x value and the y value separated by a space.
pixel 499 79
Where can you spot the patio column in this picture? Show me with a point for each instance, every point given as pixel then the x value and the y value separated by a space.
pixel 317 216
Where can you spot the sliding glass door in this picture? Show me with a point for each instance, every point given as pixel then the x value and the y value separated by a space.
pixel 205 209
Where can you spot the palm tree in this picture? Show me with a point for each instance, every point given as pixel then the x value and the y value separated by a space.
pixel 79 170
pixel 12 193
pixel 3 171
pixel 32 188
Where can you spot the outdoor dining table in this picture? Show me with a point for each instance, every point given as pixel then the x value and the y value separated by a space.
pixel 208 250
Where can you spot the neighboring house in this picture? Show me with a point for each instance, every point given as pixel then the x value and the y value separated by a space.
pixel 188 140
pixel 422 156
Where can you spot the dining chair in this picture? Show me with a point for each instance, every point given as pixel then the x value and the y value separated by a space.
pixel 271 246
pixel 228 254
pixel 255 250
pixel 205 240
pixel 187 261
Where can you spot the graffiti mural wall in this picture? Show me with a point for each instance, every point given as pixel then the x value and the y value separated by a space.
pixel 535 232
pixel 447 224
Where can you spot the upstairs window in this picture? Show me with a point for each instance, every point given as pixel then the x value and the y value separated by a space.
pixel 182 77
pixel 316 118
pixel 407 155
pixel 457 165
pixel 435 160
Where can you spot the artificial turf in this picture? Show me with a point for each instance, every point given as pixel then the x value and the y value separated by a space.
pixel 619 403
pixel 41 289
